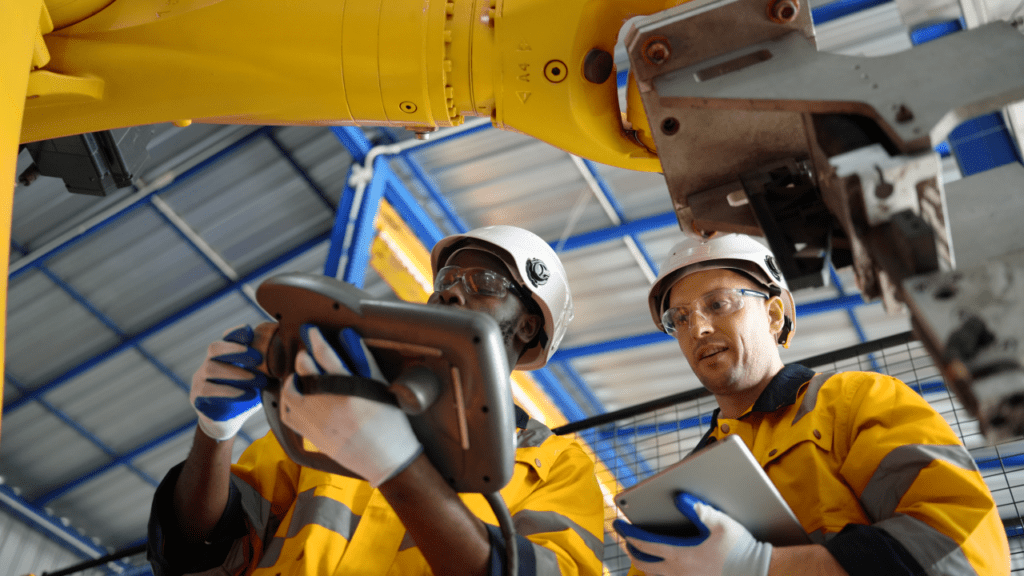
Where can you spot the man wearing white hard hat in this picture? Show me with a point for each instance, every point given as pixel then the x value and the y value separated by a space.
pixel 875 475
pixel 267 515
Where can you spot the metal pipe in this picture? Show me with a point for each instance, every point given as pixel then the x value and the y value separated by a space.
pixel 604 198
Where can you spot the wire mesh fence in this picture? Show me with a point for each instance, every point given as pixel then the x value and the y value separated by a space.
pixel 636 443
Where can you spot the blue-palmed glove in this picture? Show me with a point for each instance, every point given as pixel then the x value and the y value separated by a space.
pixel 370 438
pixel 226 388
pixel 723 548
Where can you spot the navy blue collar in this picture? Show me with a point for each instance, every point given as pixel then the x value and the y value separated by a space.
pixel 783 388
pixel 780 392
pixel 522 418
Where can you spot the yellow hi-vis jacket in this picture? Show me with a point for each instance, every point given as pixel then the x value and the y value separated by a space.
pixel 873 473
pixel 299 521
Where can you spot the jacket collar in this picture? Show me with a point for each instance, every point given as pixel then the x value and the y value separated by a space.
pixel 781 391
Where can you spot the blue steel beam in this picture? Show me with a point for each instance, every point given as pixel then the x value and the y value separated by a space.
pixel 836 10
pixel 407 207
pixel 131 341
pixel 428 184
pixel 638 226
pixel 81 430
pixel 623 454
pixel 358 248
pixel 300 170
pixel 353 139
pixel 849 309
pixel 592 403
pixel 123 459
pixel 49 525
pixel 341 219
pixel 617 208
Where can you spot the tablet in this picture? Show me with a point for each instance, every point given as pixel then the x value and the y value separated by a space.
pixel 724 474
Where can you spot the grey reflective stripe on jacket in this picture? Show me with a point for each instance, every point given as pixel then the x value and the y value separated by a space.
pixel 811 395
pixel 533 435
pixel 310 509
pixel 256 508
pixel 529 522
pixel 934 551
pixel 898 470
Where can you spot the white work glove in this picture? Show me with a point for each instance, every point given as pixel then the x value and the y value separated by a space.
pixel 372 439
pixel 723 548
pixel 226 388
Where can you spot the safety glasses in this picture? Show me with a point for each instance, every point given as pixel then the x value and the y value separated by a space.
pixel 716 303
pixel 476 280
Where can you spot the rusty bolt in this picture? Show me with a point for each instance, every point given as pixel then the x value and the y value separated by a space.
pixel 657 50
pixel 783 11
pixel 903 114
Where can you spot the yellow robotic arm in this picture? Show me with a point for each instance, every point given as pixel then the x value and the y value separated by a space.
pixel 536 67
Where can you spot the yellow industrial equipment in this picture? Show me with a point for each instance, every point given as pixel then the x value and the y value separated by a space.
pixel 536 67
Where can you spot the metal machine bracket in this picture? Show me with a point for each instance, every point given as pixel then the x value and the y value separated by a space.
pixel 740 103
pixel 972 322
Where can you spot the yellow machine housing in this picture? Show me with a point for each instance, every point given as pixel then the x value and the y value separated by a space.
pixel 418 64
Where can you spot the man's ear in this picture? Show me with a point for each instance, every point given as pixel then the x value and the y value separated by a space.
pixel 529 326
pixel 776 315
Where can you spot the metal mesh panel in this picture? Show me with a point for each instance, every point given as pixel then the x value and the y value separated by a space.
pixel 640 444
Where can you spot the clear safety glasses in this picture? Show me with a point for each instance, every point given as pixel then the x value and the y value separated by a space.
pixel 717 303
pixel 477 280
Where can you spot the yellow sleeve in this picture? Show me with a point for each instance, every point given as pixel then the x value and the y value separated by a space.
pixel 916 480
pixel 267 480
pixel 560 509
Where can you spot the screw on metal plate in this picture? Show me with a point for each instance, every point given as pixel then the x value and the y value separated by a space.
pixel 670 126
pixel 884 189
pixel 657 50
pixel 783 11
pixel 904 115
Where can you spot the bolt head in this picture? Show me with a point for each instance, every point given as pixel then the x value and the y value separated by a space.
pixel 658 51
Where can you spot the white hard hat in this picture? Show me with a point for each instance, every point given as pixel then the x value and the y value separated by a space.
pixel 535 266
pixel 730 251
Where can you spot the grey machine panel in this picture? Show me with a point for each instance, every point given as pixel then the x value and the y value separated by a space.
pixel 447 368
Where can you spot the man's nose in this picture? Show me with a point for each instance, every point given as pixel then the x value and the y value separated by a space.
pixel 454 294
pixel 700 324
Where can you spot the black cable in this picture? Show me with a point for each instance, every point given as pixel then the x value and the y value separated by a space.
pixel 508 531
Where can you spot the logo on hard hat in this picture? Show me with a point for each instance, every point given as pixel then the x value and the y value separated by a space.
pixel 769 262
pixel 537 272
